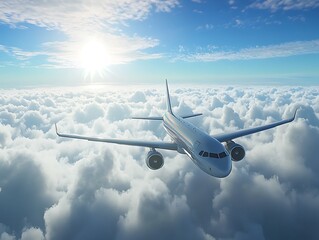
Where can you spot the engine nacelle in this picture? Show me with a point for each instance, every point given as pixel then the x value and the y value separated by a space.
pixel 154 160
pixel 237 152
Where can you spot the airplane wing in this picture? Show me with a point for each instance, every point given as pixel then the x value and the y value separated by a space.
pixel 229 136
pixel 150 144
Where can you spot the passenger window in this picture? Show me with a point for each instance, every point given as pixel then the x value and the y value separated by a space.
pixel 222 155
pixel 213 155
pixel 205 154
pixel 201 153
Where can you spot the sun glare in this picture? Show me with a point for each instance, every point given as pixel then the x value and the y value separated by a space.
pixel 94 58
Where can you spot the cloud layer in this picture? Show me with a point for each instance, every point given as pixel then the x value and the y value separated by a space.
pixel 56 188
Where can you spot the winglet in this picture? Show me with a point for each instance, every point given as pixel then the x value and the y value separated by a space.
pixel 56 130
pixel 293 117
pixel 168 100
pixel 297 109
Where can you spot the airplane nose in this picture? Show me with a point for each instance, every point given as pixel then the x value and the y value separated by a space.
pixel 223 167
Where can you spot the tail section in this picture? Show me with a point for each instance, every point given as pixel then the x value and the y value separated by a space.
pixel 168 100
pixel 168 109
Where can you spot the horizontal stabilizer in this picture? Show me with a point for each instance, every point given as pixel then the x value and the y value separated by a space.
pixel 192 115
pixel 148 118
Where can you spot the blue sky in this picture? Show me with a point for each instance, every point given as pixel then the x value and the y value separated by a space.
pixel 243 42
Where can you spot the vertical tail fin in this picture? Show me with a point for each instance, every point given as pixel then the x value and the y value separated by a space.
pixel 168 100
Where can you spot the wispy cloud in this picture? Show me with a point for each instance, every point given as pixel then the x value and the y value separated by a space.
pixel 120 49
pixel 206 26
pixel 80 19
pixel 20 55
pixel 24 55
pixel 275 5
pixel 262 52
pixel 4 49
pixel 70 16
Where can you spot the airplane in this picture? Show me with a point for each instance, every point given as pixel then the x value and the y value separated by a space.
pixel 212 154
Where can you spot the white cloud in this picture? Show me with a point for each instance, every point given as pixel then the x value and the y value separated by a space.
pixel 79 20
pixel 68 189
pixel 259 52
pixel 275 5
pixel 3 49
pixel 205 27
pixel 74 16
pixel 32 234
pixel 119 49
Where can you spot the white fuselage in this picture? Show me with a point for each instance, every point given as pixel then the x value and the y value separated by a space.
pixel 205 151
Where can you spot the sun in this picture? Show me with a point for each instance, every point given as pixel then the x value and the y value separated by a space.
pixel 94 58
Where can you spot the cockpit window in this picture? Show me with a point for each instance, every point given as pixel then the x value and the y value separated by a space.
pixel 213 155
pixel 222 155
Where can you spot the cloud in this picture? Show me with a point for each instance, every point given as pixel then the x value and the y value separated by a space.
pixel 31 234
pixel 56 188
pixel 275 5
pixel 69 16
pixel 138 96
pixel 78 20
pixel 90 112
pixel 24 197
pixel 259 52
pixel 119 49
pixel 3 49
pixel 205 27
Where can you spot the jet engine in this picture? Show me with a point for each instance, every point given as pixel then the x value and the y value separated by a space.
pixel 154 160
pixel 237 152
